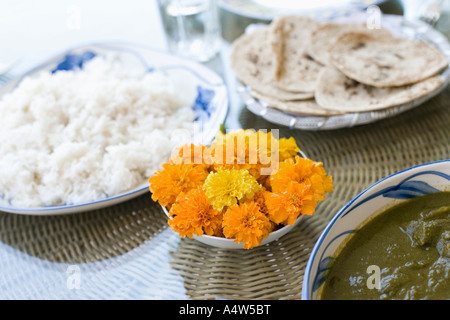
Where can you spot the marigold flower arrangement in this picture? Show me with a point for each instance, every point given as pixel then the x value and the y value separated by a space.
pixel 243 186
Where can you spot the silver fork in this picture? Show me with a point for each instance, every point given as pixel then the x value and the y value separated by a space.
pixel 432 12
pixel 5 72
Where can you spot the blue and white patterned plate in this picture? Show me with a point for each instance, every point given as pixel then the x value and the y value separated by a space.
pixel 210 106
pixel 406 184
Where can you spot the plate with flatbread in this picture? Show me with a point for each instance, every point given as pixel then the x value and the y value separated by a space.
pixel 322 75
pixel 268 9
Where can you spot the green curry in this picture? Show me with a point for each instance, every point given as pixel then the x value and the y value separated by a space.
pixel 404 253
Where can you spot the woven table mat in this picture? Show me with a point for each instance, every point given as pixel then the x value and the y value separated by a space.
pixel 355 157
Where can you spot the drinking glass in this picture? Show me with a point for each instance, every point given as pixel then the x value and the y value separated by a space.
pixel 192 27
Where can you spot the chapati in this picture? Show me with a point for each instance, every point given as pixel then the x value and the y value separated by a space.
pixel 252 63
pixel 293 69
pixel 325 36
pixel 306 107
pixel 385 61
pixel 336 91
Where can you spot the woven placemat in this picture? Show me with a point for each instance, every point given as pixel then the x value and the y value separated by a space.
pixel 355 157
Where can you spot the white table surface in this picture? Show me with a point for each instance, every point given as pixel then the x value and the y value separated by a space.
pixel 33 31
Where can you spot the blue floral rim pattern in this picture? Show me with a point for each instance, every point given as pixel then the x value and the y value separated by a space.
pixel 210 105
pixel 405 189
pixel 202 105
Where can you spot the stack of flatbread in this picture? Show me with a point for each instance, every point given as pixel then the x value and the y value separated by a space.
pixel 301 66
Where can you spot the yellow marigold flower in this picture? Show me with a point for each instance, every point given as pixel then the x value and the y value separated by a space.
pixel 285 207
pixel 242 147
pixel 287 148
pixel 193 214
pixel 235 148
pixel 174 179
pixel 225 188
pixel 245 134
pixel 246 223
pixel 265 143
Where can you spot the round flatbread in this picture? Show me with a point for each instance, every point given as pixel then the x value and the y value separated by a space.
pixel 286 95
pixel 336 91
pixel 252 62
pixel 304 107
pixel 325 35
pixel 293 69
pixel 385 61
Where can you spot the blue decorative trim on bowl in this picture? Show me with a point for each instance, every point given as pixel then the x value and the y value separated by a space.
pixel 322 273
pixel 406 189
pixel 325 264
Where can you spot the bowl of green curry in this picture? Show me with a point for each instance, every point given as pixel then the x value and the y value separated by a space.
pixel 391 242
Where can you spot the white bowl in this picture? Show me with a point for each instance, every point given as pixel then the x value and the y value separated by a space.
pixel 225 243
pixel 409 183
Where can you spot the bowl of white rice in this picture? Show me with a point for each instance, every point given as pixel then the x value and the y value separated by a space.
pixel 87 128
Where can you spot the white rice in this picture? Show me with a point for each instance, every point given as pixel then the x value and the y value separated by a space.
pixel 79 136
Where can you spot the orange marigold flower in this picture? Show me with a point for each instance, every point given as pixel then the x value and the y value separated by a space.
pixel 260 200
pixel 320 184
pixel 174 179
pixel 285 207
pixel 193 214
pixel 302 170
pixel 192 154
pixel 294 169
pixel 246 223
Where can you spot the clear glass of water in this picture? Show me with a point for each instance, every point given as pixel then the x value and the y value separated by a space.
pixel 192 27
